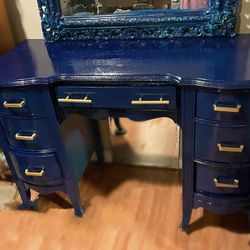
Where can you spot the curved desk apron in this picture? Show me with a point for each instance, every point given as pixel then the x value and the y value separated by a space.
pixel 202 84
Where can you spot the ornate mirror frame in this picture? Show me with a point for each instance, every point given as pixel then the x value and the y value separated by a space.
pixel 218 20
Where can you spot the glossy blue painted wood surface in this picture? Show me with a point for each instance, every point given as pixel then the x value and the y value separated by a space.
pixel 210 62
pixel 221 204
pixel 207 99
pixel 193 72
pixel 31 96
pixel 119 98
pixel 208 136
pixel 26 127
pixel 205 175
pixel 35 163
pixel 50 151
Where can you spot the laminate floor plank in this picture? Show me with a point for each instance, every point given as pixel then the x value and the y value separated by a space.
pixel 127 208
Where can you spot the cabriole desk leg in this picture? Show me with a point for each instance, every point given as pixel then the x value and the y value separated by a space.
pixel 188 144
pixel 74 196
pixel 24 191
pixel 25 194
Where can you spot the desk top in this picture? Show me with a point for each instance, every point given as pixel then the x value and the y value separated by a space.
pixel 209 62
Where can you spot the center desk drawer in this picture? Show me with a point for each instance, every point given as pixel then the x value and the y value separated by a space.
pixel 28 134
pixel 42 169
pixel 117 97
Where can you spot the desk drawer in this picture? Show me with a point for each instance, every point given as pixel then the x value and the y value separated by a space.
pixel 37 169
pixel 222 180
pixel 28 134
pixel 224 105
pixel 222 144
pixel 21 103
pixel 222 204
pixel 118 97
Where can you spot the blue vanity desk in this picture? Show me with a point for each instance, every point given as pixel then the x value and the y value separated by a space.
pixel 202 84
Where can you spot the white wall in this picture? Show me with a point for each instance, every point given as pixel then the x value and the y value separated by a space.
pixel 244 17
pixel 25 18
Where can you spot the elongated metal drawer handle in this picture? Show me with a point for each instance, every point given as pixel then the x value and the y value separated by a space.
pixel 230 149
pixel 70 100
pixel 149 102
pixel 227 109
pixel 36 174
pixel 14 105
pixel 25 137
pixel 235 184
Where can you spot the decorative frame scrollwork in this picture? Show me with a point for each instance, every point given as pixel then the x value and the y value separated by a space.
pixel 218 20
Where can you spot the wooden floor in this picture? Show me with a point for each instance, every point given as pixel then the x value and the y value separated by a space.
pixel 126 208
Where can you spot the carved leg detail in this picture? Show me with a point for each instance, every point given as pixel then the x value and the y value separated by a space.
pixel 187 212
pixel 74 195
pixel 27 204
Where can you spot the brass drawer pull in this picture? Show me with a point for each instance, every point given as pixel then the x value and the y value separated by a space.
pixel 14 105
pixel 227 109
pixel 230 149
pixel 148 102
pixel 36 174
pixel 25 137
pixel 69 100
pixel 218 184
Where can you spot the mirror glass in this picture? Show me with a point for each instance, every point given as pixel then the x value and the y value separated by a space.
pixel 82 8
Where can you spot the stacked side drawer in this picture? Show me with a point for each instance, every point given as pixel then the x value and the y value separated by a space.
pixel 222 145
pixel 27 135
